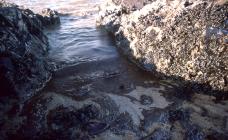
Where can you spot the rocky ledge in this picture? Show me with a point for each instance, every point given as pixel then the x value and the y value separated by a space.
pixel 180 38
pixel 23 48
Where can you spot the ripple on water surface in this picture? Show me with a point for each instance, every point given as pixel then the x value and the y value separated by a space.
pixel 77 39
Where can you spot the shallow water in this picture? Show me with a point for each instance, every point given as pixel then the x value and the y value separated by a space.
pixel 93 77
pixel 77 39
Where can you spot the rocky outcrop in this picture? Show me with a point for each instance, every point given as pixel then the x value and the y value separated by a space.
pixel 180 38
pixel 24 68
pixel 23 48
pixel 49 17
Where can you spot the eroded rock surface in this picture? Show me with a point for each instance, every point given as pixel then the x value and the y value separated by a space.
pixel 23 47
pixel 185 38
pixel 23 65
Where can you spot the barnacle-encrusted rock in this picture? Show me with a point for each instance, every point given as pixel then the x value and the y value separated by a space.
pixel 23 48
pixel 187 38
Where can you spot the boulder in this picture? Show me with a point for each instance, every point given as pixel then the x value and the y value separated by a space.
pixel 183 39
pixel 49 17
pixel 23 51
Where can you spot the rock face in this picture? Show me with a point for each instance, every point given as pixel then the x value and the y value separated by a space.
pixel 23 65
pixel 186 39
pixel 49 17
pixel 23 48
